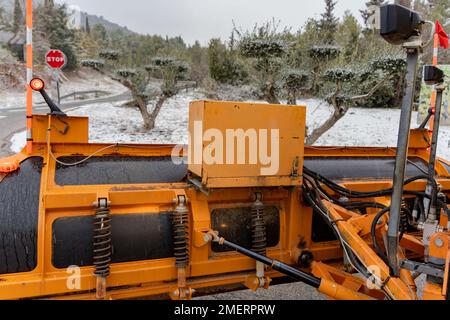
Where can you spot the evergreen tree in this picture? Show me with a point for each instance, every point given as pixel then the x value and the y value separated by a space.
pixel 14 25
pixel 365 14
pixel 99 33
pixel 440 10
pixel 405 3
pixel 17 18
pixel 48 3
pixel 348 35
pixel 87 27
pixel 198 57
pixel 51 23
pixel 328 23
pixel 3 21
pixel 224 66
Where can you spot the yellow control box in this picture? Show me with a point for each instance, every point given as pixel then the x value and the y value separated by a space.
pixel 235 144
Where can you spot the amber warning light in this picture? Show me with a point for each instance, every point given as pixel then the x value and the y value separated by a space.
pixel 37 84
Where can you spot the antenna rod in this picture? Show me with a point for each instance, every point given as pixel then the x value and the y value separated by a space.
pixel 29 61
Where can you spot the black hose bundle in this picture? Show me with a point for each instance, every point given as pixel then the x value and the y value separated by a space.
pixel 381 193
pixel 313 186
pixel 313 199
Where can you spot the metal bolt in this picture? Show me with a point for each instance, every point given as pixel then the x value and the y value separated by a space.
pixel 207 238
pixel 439 242
pixel 344 199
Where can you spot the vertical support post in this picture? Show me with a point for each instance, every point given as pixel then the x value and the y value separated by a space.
pixel 430 206
pixel 58 92
pixel 29 58
pixel 436 125
pixel 401 159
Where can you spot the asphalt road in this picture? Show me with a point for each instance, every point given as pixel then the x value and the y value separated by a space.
pixel 292 291
pixel 12 120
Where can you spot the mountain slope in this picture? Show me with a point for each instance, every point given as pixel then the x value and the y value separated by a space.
pixel 8 5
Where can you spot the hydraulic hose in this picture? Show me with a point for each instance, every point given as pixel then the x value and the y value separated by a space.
pixel 327 287
pixel 356 194
pixel 374 237
pixel 318 206
pixel 310 175
pixel 276 265
pixel 364 205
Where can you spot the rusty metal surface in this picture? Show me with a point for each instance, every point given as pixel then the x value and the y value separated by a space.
pixel 19 208
pixel 119 170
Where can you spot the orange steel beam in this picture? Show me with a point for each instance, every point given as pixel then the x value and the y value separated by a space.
pixel 396 288
pixel 207 269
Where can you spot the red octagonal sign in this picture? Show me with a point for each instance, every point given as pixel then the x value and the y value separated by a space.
pixel 55 59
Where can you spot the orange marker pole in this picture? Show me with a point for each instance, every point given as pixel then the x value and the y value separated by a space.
pixel 29 46
pixel 435 63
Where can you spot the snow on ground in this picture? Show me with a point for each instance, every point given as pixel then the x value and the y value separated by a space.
pixel 365 127
pixel 83 80
pixel 360 127
pixel 115 123
pixel 18 141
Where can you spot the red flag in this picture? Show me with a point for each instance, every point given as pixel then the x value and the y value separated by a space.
pixel 443 36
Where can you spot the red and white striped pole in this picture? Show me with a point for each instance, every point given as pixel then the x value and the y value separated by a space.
pixel 29 54
pixel 435 63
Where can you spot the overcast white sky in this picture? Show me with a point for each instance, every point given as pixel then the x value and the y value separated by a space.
pixel 205 19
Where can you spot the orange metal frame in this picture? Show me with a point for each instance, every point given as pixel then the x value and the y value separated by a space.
pixel 207 269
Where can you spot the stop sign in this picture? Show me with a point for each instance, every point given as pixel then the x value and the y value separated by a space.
pixel 55 59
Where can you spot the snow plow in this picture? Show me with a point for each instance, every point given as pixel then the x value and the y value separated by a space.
pixel 244 205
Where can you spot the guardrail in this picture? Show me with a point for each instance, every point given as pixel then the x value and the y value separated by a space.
pixel 80 93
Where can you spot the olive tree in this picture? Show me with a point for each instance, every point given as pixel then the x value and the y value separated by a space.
pixel 380 73
pixel 169 71
pixel 294 81
pixel 265 47
pixel 321 56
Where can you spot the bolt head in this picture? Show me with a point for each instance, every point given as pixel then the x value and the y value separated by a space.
pixel 439 242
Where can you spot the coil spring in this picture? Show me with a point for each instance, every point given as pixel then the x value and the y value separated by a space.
pixel 404 217
pixel 259 237
pixel 102 241
pixel 180 224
